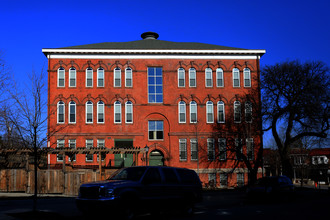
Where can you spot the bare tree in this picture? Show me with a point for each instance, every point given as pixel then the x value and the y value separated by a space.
pixel 296 97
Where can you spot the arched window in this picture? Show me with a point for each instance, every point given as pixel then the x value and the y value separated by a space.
pixel 89 77
pixel 89 112
pixel 192 77
pixel 117 77
pixel 72 77
pixel 220 81
pixel 182 112
pixel 209 112
pixel 236 78
pixel 193 112
pixel 60 112
pixel 247 77
pixel 72 112
pixel 117 112
pixel 100 77
pixel 208 77
pixel 129 112
pixel 248 112
pixel 128 77
pixel 181 77
pixel 61 77
pixel 221 112
pixel 237 112
pixel 100 112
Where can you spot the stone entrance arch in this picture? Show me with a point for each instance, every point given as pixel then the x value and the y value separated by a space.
pixel 156 158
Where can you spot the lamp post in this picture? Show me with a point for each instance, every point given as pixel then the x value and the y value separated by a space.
pixel 146 154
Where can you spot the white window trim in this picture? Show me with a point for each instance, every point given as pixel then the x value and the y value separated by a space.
pixel 224 114
pixel 114 77
pixel 185 112
pixel 89 68
pixel 130 105
pixel 184 77
pixel 210 78
pixel 98 78
pixel 58 77
pixel 190 107
pixel 117 104
pixel 239 78
pixel 100 104
pixel 75 146
pixel 247 70
pixel 183 141
pixel 75 77
pixel 209 103
pixel 57 146
pixel 58 107
pixel 128 78
pixel 155 131
pixel 92 141
pixel 211 140
pixel 238 103
pixel 195 77
pixel 75 112
pixel 86 106
pixel 193 141
pixel 220 71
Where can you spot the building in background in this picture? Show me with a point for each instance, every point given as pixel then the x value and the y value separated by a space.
pixel 190 105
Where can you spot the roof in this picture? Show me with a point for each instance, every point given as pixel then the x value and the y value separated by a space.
pixel 320 152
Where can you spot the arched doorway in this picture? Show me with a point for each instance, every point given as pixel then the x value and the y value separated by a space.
pixel 156 158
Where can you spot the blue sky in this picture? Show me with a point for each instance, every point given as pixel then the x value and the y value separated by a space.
pixel 289 29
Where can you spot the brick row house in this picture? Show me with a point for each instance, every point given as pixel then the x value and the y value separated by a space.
pixel 184 103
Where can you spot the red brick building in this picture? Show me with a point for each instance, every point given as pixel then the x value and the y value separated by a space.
pixel 185 102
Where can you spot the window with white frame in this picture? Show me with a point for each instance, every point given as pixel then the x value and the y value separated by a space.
pixel 208 77
pixel 247 77
pixel 60 145
pixel 249 149
pixel 72 77
pixel 101 144
pixel 221 112
pixel 248 112
pixel 192 77
pixel 209 112
pixel 194 149
pixel 128 77
pixel 89 145
pixel 239 148
pixel 210 149
pixel 240 179
pixel 72 112
pixel 61 77
pixel 72 145
pixel 89 112
pixel 223 180
pixel 100 112
pixel 237 112
pixel 100 77
pixel 155 85
pixel 193 112
pixel 60 112
pixel 117 112
pixel 117 77
pixel 236 78
pixel 182 112
pixel 183 149
pixel 181 77
pixel 222 149
pixel 89 77
pixel 129 112
pixel 156 130
pixel 219 76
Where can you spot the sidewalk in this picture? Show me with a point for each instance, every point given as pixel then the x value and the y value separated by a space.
pixel 16 195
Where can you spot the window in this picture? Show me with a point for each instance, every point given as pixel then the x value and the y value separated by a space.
pixel 208 77
pixel 156 130
pixel 89 145
pixel 240 179
pixel 128 77
pixel 183 149
pixel 193 112
pixel 247 77
pixel 219 76
pixel 248 112
pixel 236 80
pixel 72 77
pixel 194 149
pixel 129 112
pixel 239 149
pixel 61 77
pixel 181 77
pixel 100 112
pixel 210 149
pixel 117 112
pixel 223 180
pixel 212 179
pixel 209 112
pixel 155 85
pixel 182 112
pixel 72 112
pixel 117 77
pixel 249 149
pixel 192 77
pixel 101 144
pixel 60 144
pixel 237 112
pixel 89 77
pixel 89 112
pixel 72 145
pixel 221 112
pixel 100 77
pixel 222 149
pixel 60 112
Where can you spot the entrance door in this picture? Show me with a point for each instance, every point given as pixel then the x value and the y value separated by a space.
pixel 156 158
pixel 123 160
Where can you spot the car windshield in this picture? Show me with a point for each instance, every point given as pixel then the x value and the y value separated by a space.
pixel 132 174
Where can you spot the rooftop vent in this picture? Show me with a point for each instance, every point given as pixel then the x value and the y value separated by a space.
pixel 149 35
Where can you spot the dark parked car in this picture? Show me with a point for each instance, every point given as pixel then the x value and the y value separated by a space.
pixel 141 189
pixel 270 187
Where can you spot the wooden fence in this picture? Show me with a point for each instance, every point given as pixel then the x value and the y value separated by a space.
pixel 49 181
